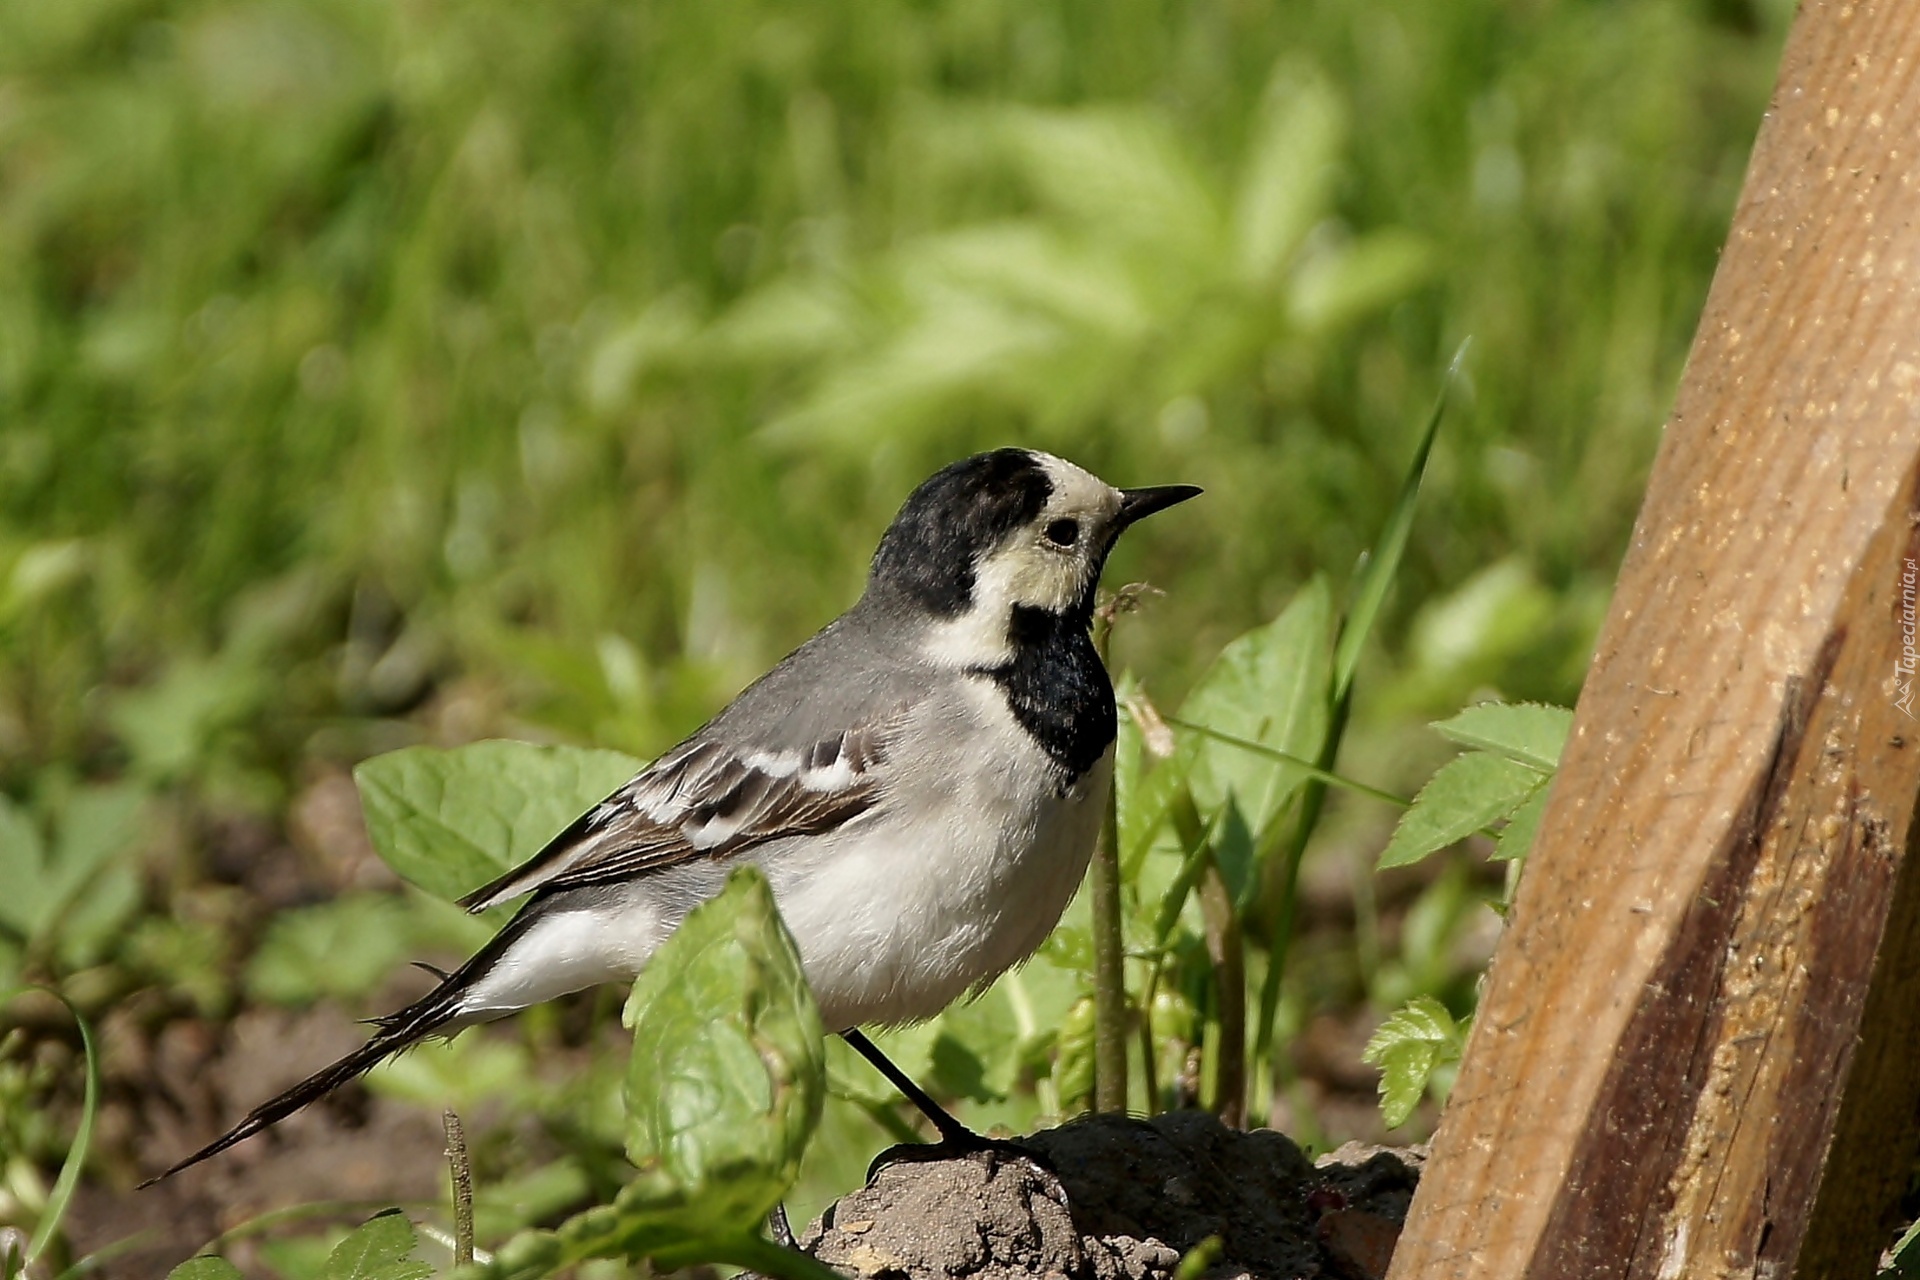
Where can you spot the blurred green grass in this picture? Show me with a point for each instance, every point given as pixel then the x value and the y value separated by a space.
pixel 379 372
pixel 368 344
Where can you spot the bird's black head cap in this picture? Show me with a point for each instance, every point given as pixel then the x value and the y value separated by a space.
pixel 957 515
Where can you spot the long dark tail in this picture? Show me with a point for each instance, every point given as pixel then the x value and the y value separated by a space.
pixel 432 1012
pixel 399 1030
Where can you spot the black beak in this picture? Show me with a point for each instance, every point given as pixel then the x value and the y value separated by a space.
pixel 1138 504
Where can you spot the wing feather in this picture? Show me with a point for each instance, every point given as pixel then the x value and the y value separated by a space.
pixel 702 800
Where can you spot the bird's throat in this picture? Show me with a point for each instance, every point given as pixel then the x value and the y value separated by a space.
pixel 1057 688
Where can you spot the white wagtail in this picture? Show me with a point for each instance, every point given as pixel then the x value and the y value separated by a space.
pixel 922 783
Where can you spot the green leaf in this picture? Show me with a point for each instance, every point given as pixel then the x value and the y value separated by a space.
pixel 1118 172
pixel 167 726
pixel 1407 1048
pixel 1905 1255
pixel 47 889
pixel 1073 1062
pixel 23 870
pixel 205 1268
pixel 1199 1260
pixel 1146 801
pixel 1336 288
pixel 1467 793
pixel 450 821
pixel 1234 853
pixel 979 1045
pixel 380 1249
pixel 634 1226
pixel 1383 562
pixel 97 825
pixel 725 1086
pixel 1477 630
pixel 1516 838
pixel 728 1071
pixel 1130 772
pixel 1269 686
pixel 1288 182
pixel 1531 733
pixel 342 949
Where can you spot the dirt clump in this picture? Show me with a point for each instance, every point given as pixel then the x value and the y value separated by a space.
pixel 1131 1198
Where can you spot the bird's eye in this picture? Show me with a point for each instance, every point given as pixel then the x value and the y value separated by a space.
pixel 1063 533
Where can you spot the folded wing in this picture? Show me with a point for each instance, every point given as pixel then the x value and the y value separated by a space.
pixel 704 800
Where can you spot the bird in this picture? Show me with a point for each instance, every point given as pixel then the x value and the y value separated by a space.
pixel 922 783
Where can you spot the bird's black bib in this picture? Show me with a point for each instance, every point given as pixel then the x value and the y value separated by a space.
pixel 1057 688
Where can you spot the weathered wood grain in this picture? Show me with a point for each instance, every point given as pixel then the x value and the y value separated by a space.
pixel 1696 1052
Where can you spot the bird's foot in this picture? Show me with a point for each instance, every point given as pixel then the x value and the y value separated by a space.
pixel 959 1143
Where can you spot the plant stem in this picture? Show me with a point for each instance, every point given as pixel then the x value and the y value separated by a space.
pixel 462 1170
pixel 1109 975
pixel 756 1253
pixel 1224 946
pixel 1109 948
pixel 1149 1068
pixel 1312 796
pixel 1313 771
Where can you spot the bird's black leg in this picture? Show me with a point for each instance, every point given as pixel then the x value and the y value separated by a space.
pixel 955 1138
pixel 950 1130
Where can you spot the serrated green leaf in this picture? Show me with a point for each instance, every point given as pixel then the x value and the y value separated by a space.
pixel 205 1268
pixel 1516 838
pixel 379 1249
pixel 1466 794
pixel 1270 687
pixel 450 821
pixel 728 1070
pixel 299 1257
pixel 1531 733
pixel 1407 1048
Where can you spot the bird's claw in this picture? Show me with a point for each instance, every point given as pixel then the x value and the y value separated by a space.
pixel 959 1144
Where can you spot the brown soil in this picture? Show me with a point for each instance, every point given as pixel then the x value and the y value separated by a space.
pixel 1130 1200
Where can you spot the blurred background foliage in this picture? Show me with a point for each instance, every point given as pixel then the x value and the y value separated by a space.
pixel 384 371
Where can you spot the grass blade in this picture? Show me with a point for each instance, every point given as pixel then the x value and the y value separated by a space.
pixel 1369 595
pixel 1383 562
pixel 1301 763
pixel 69 1179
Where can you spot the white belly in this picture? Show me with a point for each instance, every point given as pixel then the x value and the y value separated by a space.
pixel 894 925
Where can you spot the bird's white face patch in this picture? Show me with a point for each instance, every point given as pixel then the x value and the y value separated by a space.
pixel 1048 563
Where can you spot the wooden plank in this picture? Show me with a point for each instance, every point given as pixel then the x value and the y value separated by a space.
pixel 1696 1051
